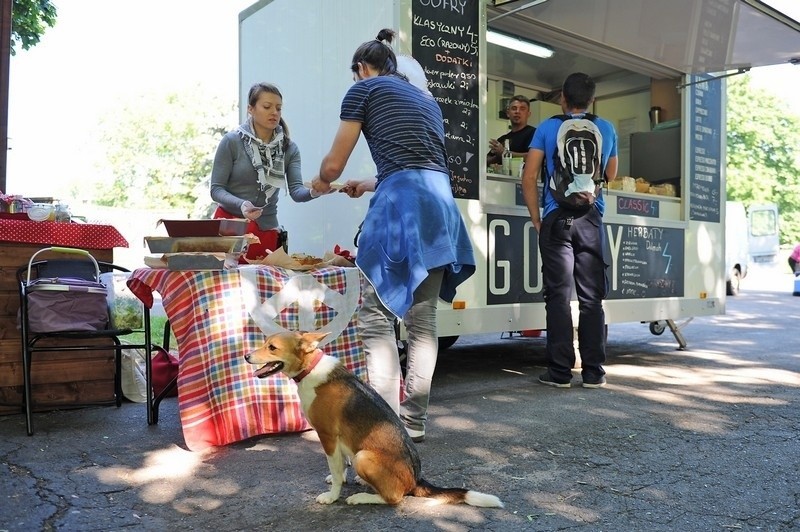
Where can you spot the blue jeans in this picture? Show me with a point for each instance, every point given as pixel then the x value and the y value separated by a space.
pixel 572 254
pixel 376 328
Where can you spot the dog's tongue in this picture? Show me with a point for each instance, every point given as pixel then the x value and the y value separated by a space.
pixel 268 369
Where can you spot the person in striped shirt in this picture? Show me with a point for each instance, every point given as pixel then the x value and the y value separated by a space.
pixel 414 246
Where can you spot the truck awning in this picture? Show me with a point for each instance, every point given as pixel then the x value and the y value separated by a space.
pixel 660 38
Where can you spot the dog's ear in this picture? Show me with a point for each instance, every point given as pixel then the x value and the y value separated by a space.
pixel 310 340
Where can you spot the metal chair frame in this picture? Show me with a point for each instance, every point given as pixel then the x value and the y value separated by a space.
pixel 30 340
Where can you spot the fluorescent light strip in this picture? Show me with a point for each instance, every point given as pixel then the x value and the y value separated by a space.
pixel 506 41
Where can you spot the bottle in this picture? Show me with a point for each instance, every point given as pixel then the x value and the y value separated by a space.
pixel 506 159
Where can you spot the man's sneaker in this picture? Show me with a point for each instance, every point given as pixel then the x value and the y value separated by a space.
pixel 546 379
pixel 594 383
pixel 417 436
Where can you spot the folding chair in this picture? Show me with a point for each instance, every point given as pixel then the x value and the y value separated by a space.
pixel 62 298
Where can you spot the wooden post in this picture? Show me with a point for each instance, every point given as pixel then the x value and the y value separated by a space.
pixel 5 62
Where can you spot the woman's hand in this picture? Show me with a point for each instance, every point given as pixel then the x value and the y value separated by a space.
pixel 315 194
pixel 320 187
pixel 356 188
pixel 250 211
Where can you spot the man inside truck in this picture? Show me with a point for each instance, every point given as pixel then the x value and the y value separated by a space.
pixel 519 137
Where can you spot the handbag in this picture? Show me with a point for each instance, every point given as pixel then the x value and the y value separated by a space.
pixel 165 369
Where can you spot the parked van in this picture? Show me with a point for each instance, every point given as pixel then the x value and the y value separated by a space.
pixel 764 236
pixel 737 252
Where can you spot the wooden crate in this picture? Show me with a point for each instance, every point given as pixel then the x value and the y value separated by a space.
pixel 59 378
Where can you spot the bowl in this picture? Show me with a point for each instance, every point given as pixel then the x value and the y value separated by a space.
pixel 40 212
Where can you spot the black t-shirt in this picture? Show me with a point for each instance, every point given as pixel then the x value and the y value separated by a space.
pixel 518 142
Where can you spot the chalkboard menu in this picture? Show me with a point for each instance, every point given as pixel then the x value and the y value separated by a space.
pixel 714 32
pixel 445 42
pixel 705 145
pixel 645 261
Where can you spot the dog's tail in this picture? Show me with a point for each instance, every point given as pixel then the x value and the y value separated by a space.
pixel 455 495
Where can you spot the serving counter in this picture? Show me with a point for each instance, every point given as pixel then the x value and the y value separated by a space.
pixel 59 378
pixel 218 316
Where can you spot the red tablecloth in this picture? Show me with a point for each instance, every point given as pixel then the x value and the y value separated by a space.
pixel 220 315
pixel 85 236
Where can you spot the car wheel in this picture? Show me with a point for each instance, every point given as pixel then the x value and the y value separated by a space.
pixel 732 286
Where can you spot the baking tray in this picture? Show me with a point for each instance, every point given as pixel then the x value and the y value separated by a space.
pixel 194 244
pixel 201 261
pixel 216 227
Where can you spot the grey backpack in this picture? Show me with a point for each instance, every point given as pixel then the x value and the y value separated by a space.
pixel 578 175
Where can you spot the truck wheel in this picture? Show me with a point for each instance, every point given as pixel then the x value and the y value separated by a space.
pixel 446 342
pixel 657 327
pixel 732 286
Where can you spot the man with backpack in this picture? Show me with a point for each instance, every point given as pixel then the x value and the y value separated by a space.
pixel 580 152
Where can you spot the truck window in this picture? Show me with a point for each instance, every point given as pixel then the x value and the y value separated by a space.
pixel 763 223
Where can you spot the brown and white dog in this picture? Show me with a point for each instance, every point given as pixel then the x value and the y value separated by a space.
pixel 353 423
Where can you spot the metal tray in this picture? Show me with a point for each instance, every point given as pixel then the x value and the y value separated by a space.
pixel 216 227
pixel 195 244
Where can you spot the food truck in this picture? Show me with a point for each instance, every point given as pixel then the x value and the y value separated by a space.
pixel 660 69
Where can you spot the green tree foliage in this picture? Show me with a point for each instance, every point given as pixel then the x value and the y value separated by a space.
pixel 763 164
pixel 159 155
pixel 29 20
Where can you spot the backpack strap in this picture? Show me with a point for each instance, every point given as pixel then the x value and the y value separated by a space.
pixel 587 116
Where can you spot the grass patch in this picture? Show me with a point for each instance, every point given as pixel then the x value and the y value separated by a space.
pixel 156 331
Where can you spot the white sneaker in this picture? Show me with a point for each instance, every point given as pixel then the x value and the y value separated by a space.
pixel 417 436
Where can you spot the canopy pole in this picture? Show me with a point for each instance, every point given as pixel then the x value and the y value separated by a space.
pixel 742 70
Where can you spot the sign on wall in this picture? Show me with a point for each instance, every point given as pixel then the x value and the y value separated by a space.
pixel 705 150
pixel 445 42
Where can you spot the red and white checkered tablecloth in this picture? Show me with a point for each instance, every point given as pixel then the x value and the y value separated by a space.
pixel 76 235
pixel 218 316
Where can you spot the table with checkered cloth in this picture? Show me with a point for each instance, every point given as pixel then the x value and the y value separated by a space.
pixel 218 316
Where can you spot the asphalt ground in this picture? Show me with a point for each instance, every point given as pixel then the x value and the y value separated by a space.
pixel 706 438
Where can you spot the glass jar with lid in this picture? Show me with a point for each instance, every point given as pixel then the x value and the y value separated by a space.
pixel 62 213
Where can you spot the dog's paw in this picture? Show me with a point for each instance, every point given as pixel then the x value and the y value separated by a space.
pixel 327 498
pixel 365 498
pixel 358 480
pixel 329 479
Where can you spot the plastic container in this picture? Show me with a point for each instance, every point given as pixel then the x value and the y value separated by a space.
pixel 40 212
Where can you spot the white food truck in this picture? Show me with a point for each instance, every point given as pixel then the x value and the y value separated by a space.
pixel 660 68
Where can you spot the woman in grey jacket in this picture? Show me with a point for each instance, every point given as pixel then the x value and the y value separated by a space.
pixel 251 165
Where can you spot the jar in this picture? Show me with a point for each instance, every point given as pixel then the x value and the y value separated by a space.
pixel 16 204
pixel 62 213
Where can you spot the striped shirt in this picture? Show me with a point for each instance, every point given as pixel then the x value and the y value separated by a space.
pixel 402 125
